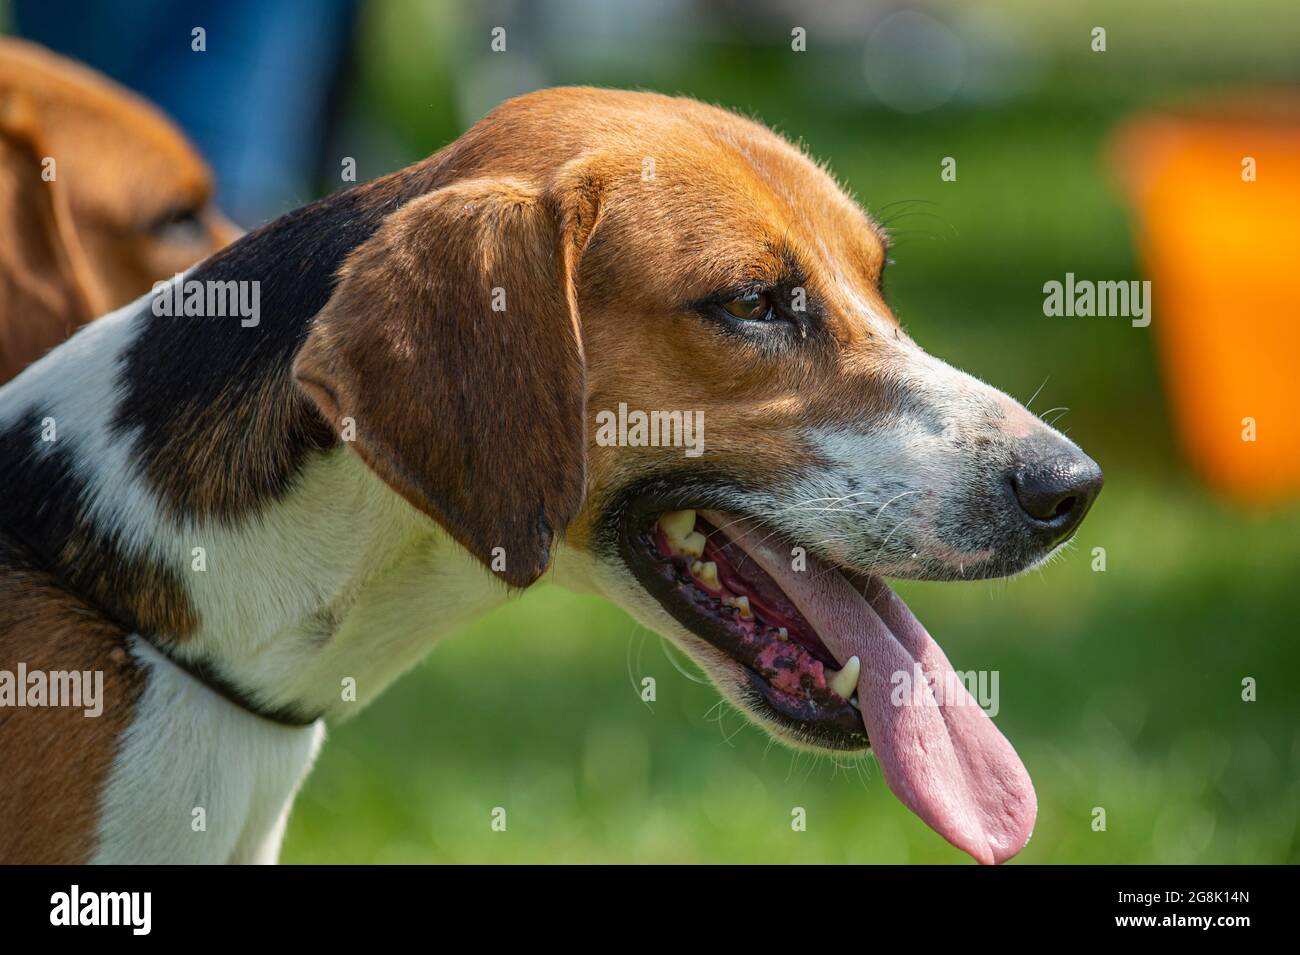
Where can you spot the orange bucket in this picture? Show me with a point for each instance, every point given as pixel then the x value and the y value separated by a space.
pixel 1223 255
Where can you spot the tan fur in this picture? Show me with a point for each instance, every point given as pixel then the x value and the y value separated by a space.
pixel 55 760
pixel 719 209
pixel 85 243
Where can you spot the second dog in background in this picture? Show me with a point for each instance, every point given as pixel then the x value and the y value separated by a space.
pixel 100 196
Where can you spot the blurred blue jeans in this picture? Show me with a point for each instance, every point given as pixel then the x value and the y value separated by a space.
pixel 257 103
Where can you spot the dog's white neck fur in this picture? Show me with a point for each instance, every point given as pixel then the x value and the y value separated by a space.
pixel 339 587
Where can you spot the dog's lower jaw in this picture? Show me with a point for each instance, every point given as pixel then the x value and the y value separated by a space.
pixel 603 575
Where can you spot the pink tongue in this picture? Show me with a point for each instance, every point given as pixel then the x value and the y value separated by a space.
pixel 941 754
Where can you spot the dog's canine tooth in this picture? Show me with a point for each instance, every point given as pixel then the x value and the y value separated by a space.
pixel 845 681
pixel 782 633
pixel 742 604
pixel 677 527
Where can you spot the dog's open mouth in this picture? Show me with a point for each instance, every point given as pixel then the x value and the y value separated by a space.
pixel 836 658
pixel 714 589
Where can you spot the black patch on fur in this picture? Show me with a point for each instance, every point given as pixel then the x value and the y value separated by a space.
pixel 43 507
pixel 181 374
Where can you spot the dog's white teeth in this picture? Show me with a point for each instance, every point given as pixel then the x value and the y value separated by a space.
pixel 845 681
pixel 677 527
pixel 782 633
pixel 742 603
pixel 853 702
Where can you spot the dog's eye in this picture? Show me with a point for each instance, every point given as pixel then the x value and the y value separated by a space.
pixel 182 227
pixel 754 307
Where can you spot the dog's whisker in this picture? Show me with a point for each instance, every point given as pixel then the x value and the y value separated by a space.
pixel 1063 412
pixel 875 561
pixel 1037 392
pixel 664 643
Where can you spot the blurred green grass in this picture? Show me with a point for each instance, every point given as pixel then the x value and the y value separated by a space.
pixel 1120 690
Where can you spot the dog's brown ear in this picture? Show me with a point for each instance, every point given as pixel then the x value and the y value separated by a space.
pixel 46 291
pixel 451 348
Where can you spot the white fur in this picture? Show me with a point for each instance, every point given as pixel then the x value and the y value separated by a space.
pixel 188 748
pixel 341 545
pixel 76 385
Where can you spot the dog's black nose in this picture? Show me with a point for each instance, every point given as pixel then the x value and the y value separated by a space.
pixel 1055 491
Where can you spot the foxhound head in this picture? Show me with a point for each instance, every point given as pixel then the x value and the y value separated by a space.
pixel 657 330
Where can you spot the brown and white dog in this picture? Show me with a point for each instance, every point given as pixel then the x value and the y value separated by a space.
pixel 100 196
pixel 237 523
